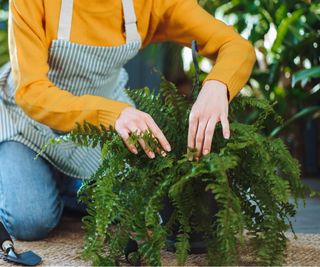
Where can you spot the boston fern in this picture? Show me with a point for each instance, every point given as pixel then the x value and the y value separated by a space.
pixel 251 177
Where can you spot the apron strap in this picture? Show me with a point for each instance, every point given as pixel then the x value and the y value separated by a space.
pixel 65 20
pixel 132 34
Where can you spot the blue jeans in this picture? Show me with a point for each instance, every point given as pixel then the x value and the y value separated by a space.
pixel 33 193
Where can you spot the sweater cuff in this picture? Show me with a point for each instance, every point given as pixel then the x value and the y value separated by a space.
pixel 236 79
pixel 109 117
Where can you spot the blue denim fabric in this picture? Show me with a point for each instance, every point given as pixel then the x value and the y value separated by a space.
pixel 33 193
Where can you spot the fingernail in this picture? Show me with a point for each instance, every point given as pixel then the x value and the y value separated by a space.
pixel 168 148
pixel 206 152
pixel 135 151
pixel 227 135
pixel 151 155
pixel 163 154
pixel 197 158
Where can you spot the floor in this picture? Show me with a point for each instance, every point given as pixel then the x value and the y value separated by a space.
pixel 307 219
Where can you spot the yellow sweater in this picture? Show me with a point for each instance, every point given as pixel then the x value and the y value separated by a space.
pixel 33 24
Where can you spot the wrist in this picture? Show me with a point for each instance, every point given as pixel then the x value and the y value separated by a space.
pixel 127 109
pixel 217 86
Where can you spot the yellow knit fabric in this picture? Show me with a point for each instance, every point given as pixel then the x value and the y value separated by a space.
pixel 34 24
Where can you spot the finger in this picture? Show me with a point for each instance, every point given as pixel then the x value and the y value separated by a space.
pixel 161 152
pixel 225 126
pixel 156 131
pixel 141 129
pixel 133 129
pixel 124 134
pixel 200 137
pixel 193 125
pixel 209 136
pixel 146 149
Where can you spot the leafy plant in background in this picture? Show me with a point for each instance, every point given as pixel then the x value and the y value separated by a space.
pixel 251 176
pixel 4 54
pixel 287 37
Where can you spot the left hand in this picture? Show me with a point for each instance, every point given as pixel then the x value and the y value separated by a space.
pixel 210 108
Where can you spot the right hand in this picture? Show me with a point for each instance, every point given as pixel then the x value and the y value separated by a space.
pixel 132 120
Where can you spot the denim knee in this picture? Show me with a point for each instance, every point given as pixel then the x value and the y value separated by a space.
pixel 30 203
pixel 31 225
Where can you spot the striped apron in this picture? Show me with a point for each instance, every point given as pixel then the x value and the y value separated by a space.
pixel 80 70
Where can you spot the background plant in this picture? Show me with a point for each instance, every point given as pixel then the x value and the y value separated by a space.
pixel 4 55
pixel 287 38
pixel 251 177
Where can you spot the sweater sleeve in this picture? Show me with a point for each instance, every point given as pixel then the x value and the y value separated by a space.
pixel 182 21
pixel 39 98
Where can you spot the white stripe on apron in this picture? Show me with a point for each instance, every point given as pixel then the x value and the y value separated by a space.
pixel 79 69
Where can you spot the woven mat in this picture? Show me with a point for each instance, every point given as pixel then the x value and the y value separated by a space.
pixel 63 248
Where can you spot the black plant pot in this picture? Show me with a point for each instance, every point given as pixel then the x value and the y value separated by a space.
pixel 197 243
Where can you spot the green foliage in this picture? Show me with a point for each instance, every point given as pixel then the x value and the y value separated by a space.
pixel 304 76
pixel 286 36
pixel 251 176
pixel 4 54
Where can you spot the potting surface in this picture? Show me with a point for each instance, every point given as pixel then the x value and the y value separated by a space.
pixel 64 245
pixel 63 248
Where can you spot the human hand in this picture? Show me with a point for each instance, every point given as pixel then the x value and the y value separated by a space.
pixel 132 120
pixel 210 107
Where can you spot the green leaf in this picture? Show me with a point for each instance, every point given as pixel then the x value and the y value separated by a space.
pixel 302 113
pixel 284 29
pixel 305 75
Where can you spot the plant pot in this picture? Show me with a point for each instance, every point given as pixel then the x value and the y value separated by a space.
pixel 197 242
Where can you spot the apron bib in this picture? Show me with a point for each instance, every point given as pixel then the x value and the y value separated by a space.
pixel 78 69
